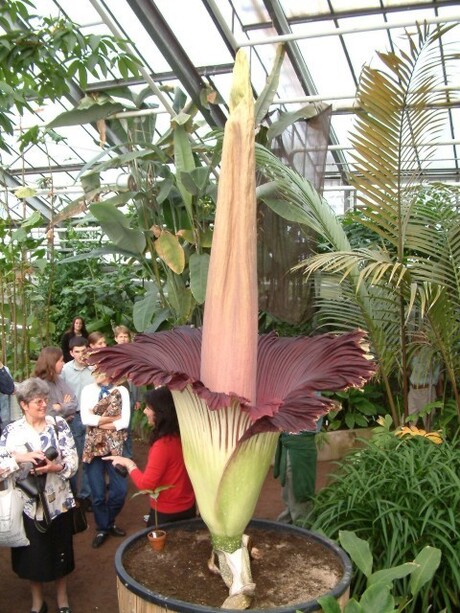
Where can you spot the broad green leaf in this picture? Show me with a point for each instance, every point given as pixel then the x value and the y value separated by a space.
pixel 196 180
pixel 427 563
pixel 90 114
pixel 25 192
pixel 187 235
pixel 179 297
pixel 145 309
pixel 184 161
pixel 19 235
pixel 181 119
pixel 122 160
pixel 204 238
pixel 266 96
pixel 387 575
pixel 160 317
pixel 170 251
pixel 199 264
pixel 287 119
pixel 287 210
pixel 329 604
pixel 116 226
pixel 165 189
pixel 377 598
pixel 120 199
pixel 358 549
pixel 90 183
pixel 107 249
pixel 353 607
pixel 32 221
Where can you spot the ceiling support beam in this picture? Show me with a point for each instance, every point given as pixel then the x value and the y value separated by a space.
pixel 180 63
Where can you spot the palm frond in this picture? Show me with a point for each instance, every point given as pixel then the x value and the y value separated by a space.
pixel 393 139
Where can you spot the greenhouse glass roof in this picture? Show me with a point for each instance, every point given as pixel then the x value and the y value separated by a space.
pixel 191 44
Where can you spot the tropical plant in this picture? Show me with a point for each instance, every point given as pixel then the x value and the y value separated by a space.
pixel 407 278
pixel 24 330
pixel 358 408
pixel 103 293
pixel 154 495
pixel 377 597
pixel 162 223
pixel 39 56
pixel 400 495
pixel 235 392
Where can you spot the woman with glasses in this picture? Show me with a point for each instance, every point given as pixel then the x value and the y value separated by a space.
pixel 25 446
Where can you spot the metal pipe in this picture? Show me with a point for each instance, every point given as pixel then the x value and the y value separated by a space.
pixel 334 97
pixel 341 31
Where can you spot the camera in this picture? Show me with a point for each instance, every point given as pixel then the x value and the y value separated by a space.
pixel 121 470
pixel 50 454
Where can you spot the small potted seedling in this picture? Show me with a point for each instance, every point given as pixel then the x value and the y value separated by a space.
pixel 157 538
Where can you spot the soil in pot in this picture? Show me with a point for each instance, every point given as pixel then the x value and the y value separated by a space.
pixel 287 569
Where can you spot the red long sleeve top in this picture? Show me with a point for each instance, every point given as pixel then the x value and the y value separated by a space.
pixel 165 466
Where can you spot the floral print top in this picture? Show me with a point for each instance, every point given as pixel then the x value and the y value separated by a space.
pixel 55 434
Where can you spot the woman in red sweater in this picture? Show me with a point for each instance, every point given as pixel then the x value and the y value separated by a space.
pixel 165 463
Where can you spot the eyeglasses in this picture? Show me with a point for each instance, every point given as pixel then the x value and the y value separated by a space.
pixel 39 401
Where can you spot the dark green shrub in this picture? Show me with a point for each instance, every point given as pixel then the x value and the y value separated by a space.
pixel 400 495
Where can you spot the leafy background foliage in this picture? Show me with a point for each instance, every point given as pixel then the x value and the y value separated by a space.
pixel 400 495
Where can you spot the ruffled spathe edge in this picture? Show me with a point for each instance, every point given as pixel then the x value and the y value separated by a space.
pixel 291 373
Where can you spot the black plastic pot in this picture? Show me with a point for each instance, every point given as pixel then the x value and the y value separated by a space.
pixel 130 592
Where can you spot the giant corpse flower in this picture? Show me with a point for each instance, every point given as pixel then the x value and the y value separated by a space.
pixel 235 391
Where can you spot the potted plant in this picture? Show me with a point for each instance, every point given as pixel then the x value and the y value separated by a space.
pixel 156 537
pixel 307 565
pixel 234 391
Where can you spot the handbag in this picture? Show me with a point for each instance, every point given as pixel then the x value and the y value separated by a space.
pixel 12 532
pixel 79 521
pixel 29 485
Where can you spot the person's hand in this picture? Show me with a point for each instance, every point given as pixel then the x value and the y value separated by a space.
pixel 107 427
pixel 57 407
pixel 51 466
pixel 67 398
pixel 118 459
pixel 106 420
pixel 32 457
